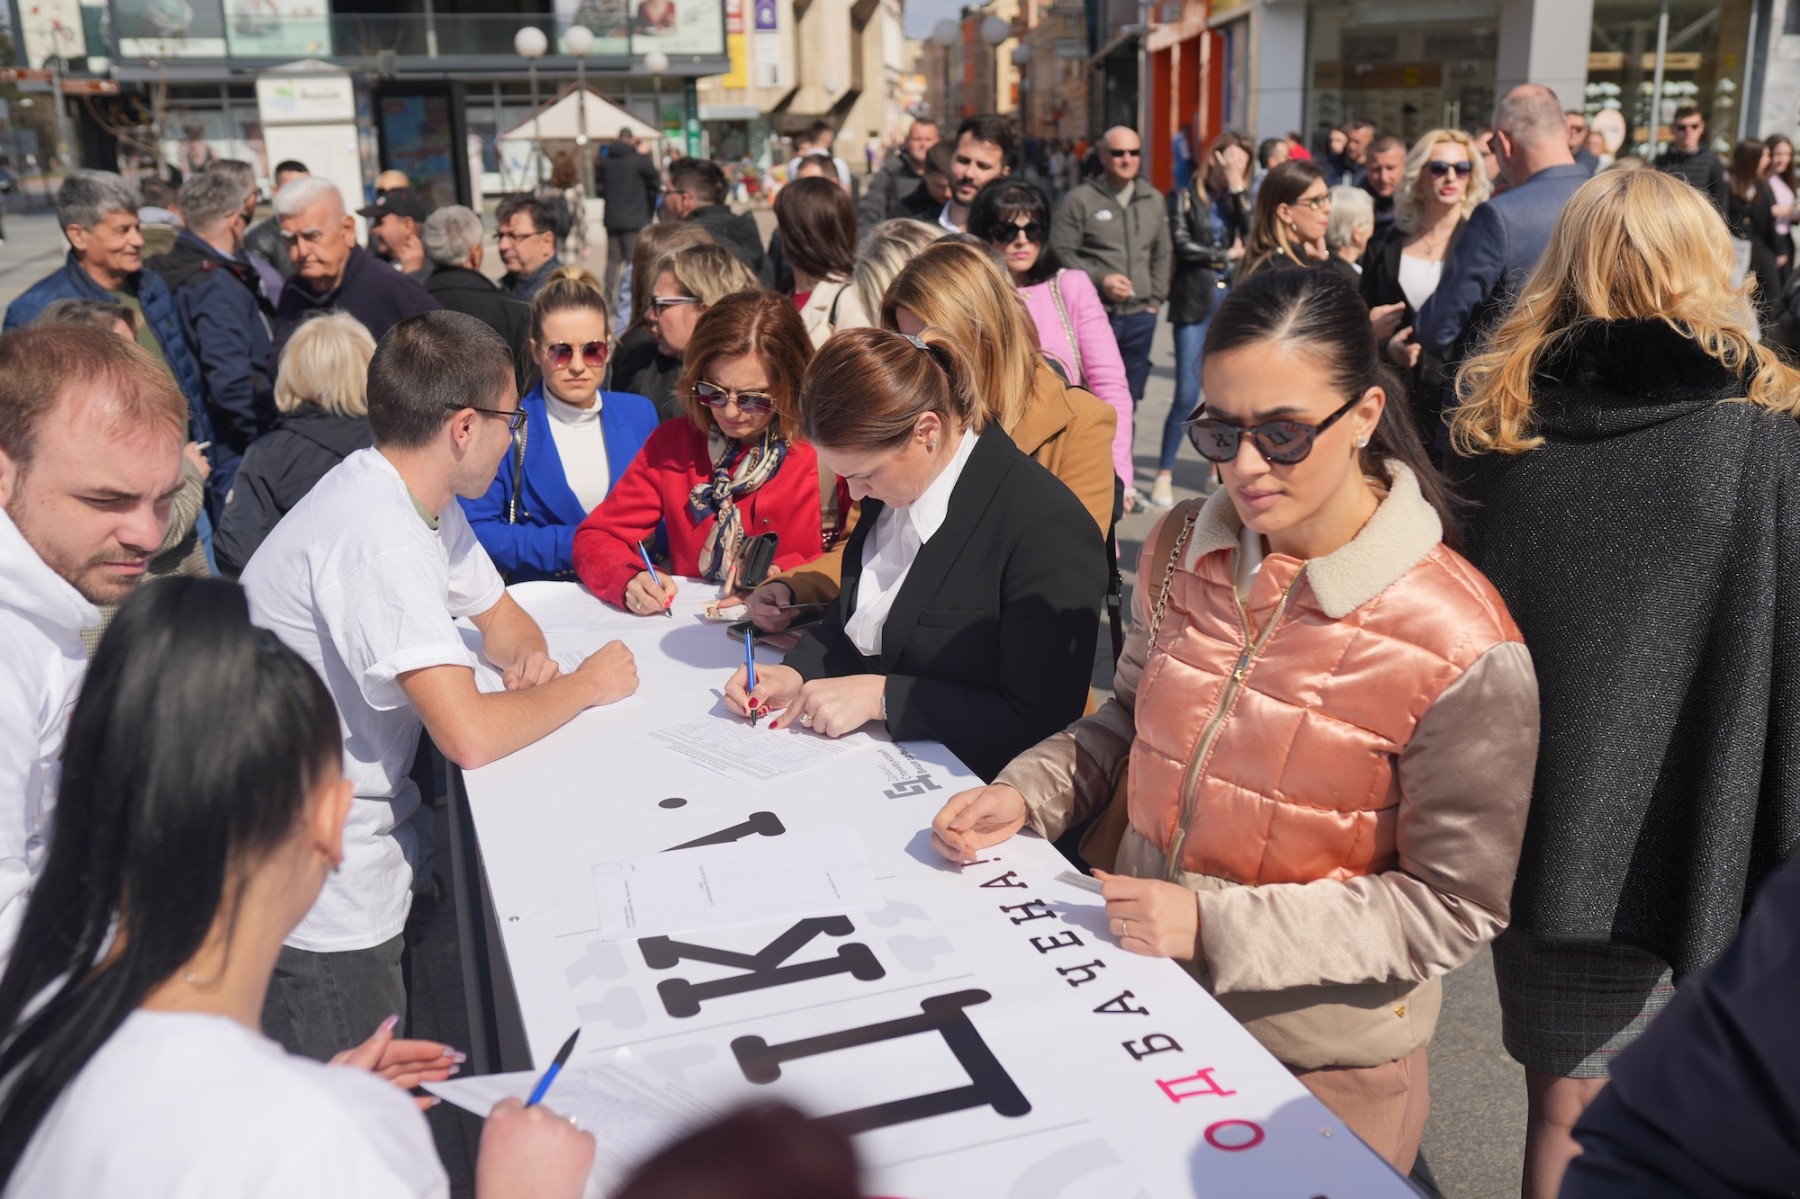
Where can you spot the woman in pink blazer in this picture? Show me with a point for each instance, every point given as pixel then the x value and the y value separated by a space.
pixel 1013 216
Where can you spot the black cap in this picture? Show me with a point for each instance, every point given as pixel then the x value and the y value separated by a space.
pixel 401 201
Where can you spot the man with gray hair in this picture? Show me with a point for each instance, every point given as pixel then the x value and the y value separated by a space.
pixel 225 317
pixel 1347 234
pixel 98 212
pixel 244 174
pixel 1506 236
pixel 331 272
pixel 453 243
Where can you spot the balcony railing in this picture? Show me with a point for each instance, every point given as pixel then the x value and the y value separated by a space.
pixel 372 36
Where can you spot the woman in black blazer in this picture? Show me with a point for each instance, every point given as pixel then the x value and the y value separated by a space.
pixel 972 584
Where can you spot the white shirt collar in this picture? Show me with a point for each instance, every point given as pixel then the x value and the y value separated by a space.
pixel 928 512
pixel 944 218
pixel 569 414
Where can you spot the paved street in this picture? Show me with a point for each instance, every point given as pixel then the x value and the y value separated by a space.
pixel 1474 1143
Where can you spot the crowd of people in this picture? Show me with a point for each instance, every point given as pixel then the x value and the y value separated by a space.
pixel 1484 634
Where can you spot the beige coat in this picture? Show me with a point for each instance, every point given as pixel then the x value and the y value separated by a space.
pixel 817 314
pixel 1344 787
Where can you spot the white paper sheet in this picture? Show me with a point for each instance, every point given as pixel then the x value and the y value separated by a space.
pixel 489 680
pixel 755 755
pixel 755 881
pixel 632 1110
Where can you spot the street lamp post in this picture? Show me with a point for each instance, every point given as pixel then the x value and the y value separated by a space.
pixel 1021 57
pixel 657 63
pixel 944 35
pixel 579 40
pixel 531 45
pixel 994 30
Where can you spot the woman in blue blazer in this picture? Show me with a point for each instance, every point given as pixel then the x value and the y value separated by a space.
pixel 576 443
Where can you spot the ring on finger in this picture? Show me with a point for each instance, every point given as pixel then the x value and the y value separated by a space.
pixel 806 719
pixel 1127 931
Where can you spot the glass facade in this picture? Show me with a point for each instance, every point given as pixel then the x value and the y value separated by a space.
pixel 1406 67
pixel 1703 64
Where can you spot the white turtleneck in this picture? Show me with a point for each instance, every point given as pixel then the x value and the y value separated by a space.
pixel 582 447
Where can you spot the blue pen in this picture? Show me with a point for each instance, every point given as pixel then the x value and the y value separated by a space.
pixel 654 577
pixel 543 1084
pixel 750 674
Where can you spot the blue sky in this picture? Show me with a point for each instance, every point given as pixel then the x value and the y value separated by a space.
pixel 921 15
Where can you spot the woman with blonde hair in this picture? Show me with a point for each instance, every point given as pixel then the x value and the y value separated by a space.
pixel 321 393
pixel 1633 451
pixel 575 443
pixel 959 289
pixel 884 253
pixel 684 283
pixel 1444 182
pixel 631 314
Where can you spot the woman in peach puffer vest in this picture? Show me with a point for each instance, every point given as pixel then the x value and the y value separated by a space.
pixel 1330 719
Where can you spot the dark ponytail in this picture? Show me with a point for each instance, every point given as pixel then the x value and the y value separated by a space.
pixel 1320 314
pixel 189 756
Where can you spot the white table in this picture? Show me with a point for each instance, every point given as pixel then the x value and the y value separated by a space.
pixel 982 1034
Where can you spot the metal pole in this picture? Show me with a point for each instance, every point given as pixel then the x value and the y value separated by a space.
pixel 537 143
pixel 1656 85
pixel 586 150
pixel 56 99
pixel 1749 75
pixel 1143 110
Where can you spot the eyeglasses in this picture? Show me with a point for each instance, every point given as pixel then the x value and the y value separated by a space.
pixel 505 235
pixel 560 353
pixel 1006 234
pixel 748 402
pixel 1125 153
pixel 664 302
pixel 1280 441
pixel 1439 169
pixel 515 420
pixel 1318 203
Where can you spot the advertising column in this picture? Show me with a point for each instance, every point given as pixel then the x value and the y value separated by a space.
pixel 309 114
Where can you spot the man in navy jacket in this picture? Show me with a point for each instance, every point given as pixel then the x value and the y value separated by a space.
pixel 331 272
pixel 97 211
pixel 1506 236
pixel 219 295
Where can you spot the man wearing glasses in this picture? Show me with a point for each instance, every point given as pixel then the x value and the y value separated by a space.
pixel 1114 227
pixel 526 232
pixel 1689 157
pixel 365 578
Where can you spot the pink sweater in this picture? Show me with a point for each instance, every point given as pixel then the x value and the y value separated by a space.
pixel 1102 369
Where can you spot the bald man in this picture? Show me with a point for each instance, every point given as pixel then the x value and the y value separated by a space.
pixel 1114 227
pixel 1506 236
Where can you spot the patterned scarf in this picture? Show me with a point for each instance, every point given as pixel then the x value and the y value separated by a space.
pixel 718 496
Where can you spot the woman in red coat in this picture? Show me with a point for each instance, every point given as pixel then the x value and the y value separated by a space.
pixel 731 469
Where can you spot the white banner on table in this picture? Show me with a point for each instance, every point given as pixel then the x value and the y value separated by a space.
pixel 979 1034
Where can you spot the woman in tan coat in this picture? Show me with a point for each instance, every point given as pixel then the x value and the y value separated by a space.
pixel 1329 718
pixel 958 289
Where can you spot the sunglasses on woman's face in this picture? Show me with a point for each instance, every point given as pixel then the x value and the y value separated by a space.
pixel 714 396
pixel 1439 168
pixel 1007 234
pixel 560 353
pixel 1283 442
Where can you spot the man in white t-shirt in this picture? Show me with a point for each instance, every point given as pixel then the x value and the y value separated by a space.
pixel 365 578
pixel 91 430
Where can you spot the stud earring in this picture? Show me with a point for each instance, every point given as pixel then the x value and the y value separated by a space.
pixel 1362 443
pixel 932 445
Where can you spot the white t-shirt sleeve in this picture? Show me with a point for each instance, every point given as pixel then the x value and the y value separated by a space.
pixel 475 583
pixel 389 617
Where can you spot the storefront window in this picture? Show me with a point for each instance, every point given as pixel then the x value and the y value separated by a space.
pixel 1407 67
pixel 1703 64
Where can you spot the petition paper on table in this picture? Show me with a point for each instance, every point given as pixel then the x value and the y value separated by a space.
pixel 632 1110
pixel 756 881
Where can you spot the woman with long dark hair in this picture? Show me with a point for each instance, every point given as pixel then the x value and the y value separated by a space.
pixel 817 223
pixel 1289 219
pixel 202 807
pixel 1329 719
pixel 1750 211
pixel 1013 217
pixel 1783 187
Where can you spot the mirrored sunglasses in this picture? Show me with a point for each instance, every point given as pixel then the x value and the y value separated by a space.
pixel 714 396
pixel 560 353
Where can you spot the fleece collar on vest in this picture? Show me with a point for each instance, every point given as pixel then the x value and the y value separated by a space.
pixel 1404 529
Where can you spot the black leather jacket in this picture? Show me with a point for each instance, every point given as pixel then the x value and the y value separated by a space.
pixel 1201 265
